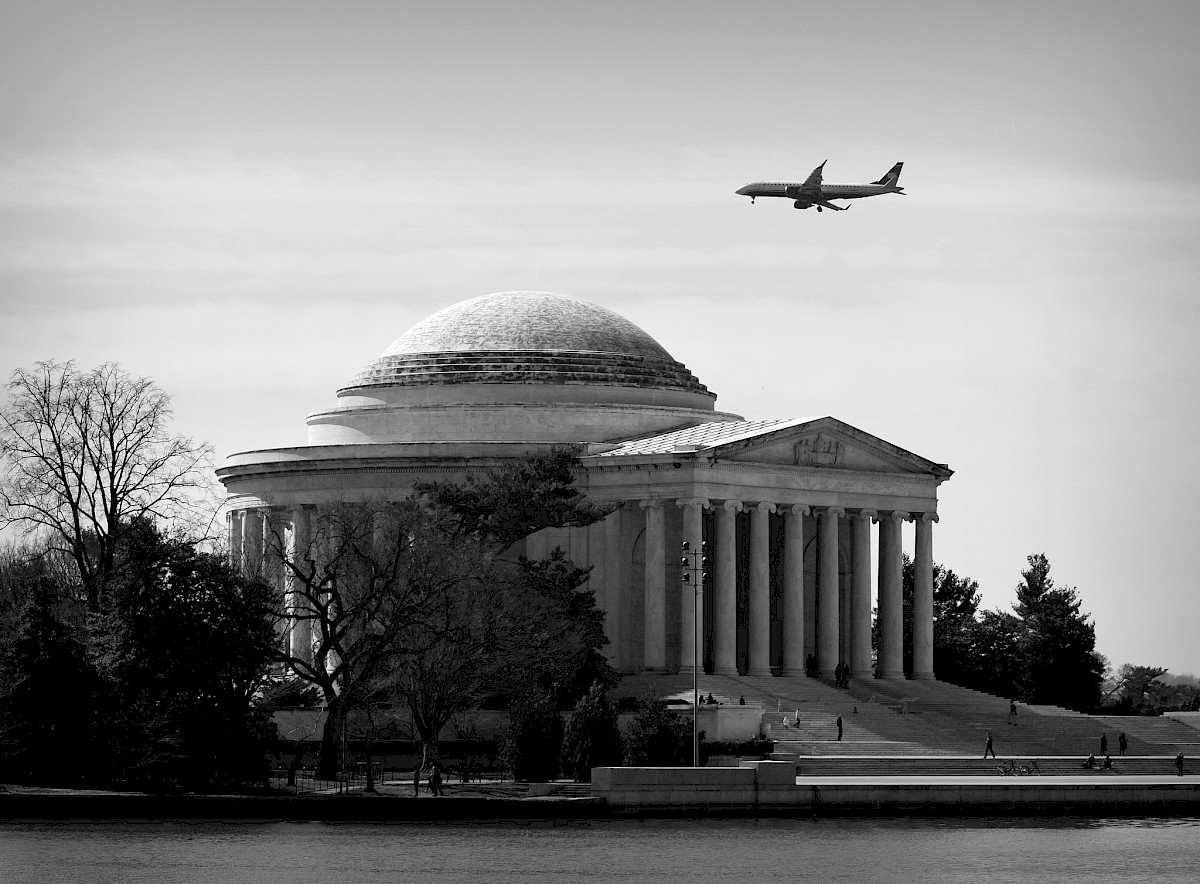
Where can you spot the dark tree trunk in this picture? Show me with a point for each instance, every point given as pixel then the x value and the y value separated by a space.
pixel 331 740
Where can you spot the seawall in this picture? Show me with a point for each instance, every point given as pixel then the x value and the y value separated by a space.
pixel 771 788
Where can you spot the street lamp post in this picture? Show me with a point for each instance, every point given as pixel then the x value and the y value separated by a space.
pixel 695 565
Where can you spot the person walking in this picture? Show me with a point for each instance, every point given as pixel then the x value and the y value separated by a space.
pixel 1103 743
pixel 1122 743
pixel 839 726
pixel 1179 763
pixel 1012 712
pixel 988 746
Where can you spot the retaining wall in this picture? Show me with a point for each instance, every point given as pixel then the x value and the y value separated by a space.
pixel 772 787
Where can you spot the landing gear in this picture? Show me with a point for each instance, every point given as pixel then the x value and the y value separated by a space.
pixel 819 209
pixel 751 200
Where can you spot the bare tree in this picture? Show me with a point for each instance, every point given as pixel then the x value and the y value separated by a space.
pixel 83 454
pixel 361 590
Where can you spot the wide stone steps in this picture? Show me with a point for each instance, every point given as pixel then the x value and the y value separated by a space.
pixel 897 717
pixel 953 765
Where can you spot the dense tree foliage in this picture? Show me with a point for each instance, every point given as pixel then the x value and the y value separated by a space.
pixel 156 690
pixel 1057 645
pixel 591 738
pixel 48 687
pixel 183 647
pixel 1149 690
pixel 532 624
pixel 657 736
pixel 517 499
pixel 1043 652
pixel 533 742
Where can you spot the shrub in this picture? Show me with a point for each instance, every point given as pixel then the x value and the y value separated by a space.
pixel 534 739
pixel 592 738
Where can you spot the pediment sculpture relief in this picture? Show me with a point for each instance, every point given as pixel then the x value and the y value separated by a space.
pixel 821 451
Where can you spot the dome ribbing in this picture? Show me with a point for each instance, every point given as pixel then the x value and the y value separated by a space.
pixel 526 338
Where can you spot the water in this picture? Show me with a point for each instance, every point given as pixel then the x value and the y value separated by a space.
pixel 829 851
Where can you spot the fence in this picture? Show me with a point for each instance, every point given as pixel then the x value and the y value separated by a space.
pixel 306 780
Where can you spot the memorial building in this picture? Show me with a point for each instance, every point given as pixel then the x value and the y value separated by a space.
pixel 793 512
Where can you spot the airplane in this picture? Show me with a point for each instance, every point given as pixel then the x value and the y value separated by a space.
pixel 813 193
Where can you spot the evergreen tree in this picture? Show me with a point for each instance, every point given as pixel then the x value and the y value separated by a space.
pixel 591 738
pixel 48 688
pixel 1057 649
pixel 992 662
pixel 518 499
pixel 955 609
pixel 534 740
pixel 184 647
pixel 657 736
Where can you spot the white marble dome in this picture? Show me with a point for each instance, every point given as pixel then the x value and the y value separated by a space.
pixel 517 366
pixel 525 338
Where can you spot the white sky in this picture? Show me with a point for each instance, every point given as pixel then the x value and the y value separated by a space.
pixel 248 202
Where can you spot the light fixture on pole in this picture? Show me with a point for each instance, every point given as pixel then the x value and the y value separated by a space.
pixel 695 567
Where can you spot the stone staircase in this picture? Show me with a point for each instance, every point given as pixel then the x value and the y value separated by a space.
pixel 887 722
pixel 957 765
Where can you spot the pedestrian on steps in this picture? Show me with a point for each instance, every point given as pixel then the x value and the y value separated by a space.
pixel 1103 743
pixel 988 746
pixel 839 726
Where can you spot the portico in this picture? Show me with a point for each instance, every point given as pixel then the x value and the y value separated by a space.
pixel 791 558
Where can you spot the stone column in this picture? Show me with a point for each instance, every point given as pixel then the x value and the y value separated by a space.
pixel 827 591
pixel 923 597
pixel 274 568
pixel 793 590
pixel 691 627
pixel 891 599
pixel 252 542
pixel 233 521
pixel 860 593
pixel 655 625
pixel 616 596
pixel 725 586
pixel 299 609
pixel 760 589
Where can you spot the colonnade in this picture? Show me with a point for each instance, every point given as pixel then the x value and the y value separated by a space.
pixel 258 537
pixel 841 633
pixel 838 614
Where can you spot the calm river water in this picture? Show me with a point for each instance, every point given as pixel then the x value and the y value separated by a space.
pixel 659 851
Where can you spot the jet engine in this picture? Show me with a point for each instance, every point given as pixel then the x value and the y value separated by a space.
pixel 801 204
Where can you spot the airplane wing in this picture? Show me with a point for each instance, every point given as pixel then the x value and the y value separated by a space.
pixel 828 205
pixel 811 188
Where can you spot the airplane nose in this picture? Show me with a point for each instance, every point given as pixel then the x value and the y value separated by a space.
pixel 743 190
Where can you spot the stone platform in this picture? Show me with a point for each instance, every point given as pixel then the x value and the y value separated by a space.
pixel 769 788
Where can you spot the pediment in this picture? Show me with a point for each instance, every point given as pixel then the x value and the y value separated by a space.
pixel 826 443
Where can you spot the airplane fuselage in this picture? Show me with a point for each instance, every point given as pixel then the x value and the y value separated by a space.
pixel 815 192
pixel 791 190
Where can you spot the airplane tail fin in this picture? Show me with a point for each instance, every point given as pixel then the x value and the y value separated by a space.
pixel 892 178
